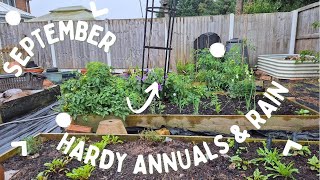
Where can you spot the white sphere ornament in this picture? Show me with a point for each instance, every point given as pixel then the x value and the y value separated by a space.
pixel 63 120
pixel 217 50
pixel 13 18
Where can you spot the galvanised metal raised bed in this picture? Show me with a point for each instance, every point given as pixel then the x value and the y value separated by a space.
pixel 276 66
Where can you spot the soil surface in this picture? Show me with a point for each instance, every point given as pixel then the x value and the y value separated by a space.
pixel 229 106
pixel 220 168
pixel 305 91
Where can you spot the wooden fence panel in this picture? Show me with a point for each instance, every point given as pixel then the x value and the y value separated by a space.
pixel 10 36
pixel 308 36
pixel 267 33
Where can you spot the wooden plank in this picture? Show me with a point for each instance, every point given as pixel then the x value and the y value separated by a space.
pixel 310 6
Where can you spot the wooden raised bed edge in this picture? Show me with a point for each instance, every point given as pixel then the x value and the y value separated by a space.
pixel 133 137
pixel 21 106
pixel 222 123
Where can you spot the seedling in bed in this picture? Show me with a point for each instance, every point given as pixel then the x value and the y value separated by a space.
pixel 240 163
pixel 283 170
pixel 152 136
pixel 56 166
pixel 314 164
pixel 257 175
pixel 302 112
pixel 305 151
pixel 81 173
pixel 268 156
pixel 230 142
pixel 33 145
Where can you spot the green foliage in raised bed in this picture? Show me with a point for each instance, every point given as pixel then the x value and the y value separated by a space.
pixel 241 163
pixel 96 93
pixel 81 173
pixel 314 163
pixel 33 145
pixel 302 112
pixel 308 55
pixel 283 170
pixel 152 136
pixel 56 166
pixel 304 151
pixel 257 175
pixel 268 157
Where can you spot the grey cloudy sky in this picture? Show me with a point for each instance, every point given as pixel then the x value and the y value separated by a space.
pixel 118 9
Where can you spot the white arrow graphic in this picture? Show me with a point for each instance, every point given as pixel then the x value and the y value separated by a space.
pixel 95 12
pixel 291 144
pixel 155 91
pixel 23 145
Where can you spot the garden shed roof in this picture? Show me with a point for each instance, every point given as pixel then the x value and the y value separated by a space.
pixel 65 14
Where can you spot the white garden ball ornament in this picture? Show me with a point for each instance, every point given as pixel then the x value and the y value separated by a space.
pixel 217 50
pixel 63 120
pixel 13 18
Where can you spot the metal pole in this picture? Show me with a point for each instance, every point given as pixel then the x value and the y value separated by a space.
pixel 144 43
pixel 150 34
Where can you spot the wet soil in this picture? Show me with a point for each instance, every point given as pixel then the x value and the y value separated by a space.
pixel 305 91
pixel 220 168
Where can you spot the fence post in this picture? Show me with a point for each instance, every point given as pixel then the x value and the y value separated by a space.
pixel 53 53
pixel 106 26
pixel 231 26
pixel 294 24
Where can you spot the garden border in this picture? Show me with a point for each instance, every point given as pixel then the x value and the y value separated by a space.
pixel 222 123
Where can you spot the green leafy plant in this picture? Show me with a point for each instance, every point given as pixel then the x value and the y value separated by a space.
pixel 111 139
pixel 261 6
pixel 231 142
pixel 81 173
pixel 268 156
pixel 308 55
pixel 152 136
pixel 216 103
pixel 56 166
pixel 240 163
pixel 186 68
pixel 33 145
pixel 96 93
pixel 314 163
pixel 302 112
pixel 257 175
pixel 283 170
pixel 304 151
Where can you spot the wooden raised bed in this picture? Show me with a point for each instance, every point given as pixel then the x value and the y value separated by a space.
pixel 222 123
pixel 133 137
pixel 21 106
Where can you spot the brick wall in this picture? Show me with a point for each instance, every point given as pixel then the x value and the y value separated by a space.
pixel 23 5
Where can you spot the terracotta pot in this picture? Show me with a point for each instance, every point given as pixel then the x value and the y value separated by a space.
pixel 92 121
